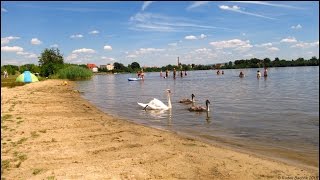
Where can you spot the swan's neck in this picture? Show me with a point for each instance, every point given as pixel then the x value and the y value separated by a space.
pixel 169 101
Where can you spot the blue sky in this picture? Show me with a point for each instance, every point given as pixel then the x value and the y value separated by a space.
pixel 155 33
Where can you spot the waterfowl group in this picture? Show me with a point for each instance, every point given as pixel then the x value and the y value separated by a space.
pixel 200 108
pixel 188 101
pixel 156 104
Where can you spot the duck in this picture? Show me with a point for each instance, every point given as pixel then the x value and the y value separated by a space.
pixel 156 104
pixel 201 108
pixel 188 101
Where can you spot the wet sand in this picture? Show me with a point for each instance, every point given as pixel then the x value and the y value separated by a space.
pixel 49 132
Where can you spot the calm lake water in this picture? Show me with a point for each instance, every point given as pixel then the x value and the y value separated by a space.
pixel 276 116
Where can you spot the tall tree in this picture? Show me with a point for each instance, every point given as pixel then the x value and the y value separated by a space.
pixel 51 56
pixel 50 61
pixel 135 65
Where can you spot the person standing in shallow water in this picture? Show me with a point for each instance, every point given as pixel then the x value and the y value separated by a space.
pixel 181 74
pixel 161 73
pixel 174 73
pixel 265 73
pixel 142 74
pixel 167 72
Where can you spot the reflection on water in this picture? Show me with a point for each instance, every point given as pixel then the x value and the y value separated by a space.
pixel 280 111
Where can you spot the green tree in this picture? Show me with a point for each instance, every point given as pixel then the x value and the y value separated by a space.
pixel 119 67
pixel 50 61
pixel 135 65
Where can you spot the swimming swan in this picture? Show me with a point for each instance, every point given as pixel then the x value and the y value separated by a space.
pixel 156 104
pixel 200 108
pixel 187 101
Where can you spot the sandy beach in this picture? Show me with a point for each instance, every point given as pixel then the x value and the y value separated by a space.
pixel 49 132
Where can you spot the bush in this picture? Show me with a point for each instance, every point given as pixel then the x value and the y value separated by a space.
pixel 74 73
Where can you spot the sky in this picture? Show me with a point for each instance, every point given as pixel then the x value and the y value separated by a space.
pixel 156 33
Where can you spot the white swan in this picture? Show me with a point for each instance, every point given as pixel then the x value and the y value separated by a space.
pixel 188 101
pixel 200 108
pixel 156 104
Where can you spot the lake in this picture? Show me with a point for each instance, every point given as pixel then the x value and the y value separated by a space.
pixel 277 116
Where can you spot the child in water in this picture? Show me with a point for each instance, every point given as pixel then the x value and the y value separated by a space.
pixel 258 74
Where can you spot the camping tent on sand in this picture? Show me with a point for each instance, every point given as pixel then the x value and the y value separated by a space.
pixel 27 77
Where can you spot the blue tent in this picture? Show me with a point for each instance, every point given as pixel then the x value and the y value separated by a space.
pixel 27 77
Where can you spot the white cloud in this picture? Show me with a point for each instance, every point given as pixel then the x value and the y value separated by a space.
pixel 202 36
pixel 23 53
pixel 306 45
pixel 249 55
pixel 237 9
pixel 264 45
pixel 289 40
pixel 161 23
pixel 35 41
pixel 6 40
pixel 94 32
pixel 32 56
pixel 197 4
pixel 3 10
pixel 74 36
pixel 71 57
pixel 27 54
pixel 54 46
pixel 224 7
pixel 267 4
pixel 107 58
pixel 191 37
pixel 131 56
pixel 84 50
pixel 273 49
pixel 143 51
pixel 148 50
pixel 233 43
pixel 202 50
pixel 296 27
pixel 107 47
pixel 11 49
pixel 146 4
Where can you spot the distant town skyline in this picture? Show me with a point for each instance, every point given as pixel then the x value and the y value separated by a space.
pixel 156 33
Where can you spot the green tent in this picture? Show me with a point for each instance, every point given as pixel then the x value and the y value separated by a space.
pixel 27 77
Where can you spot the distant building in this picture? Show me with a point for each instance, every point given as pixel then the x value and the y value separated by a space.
pixel 103 66
pixel 110 67
pixel 93 67
pixel 218 66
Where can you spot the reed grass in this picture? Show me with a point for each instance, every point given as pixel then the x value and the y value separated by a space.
pixel 74 73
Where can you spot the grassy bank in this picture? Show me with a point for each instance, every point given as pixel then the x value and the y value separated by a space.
pixel 74 73
pixel 11 81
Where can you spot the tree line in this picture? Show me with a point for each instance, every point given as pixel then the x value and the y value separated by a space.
pixel 51 61
pixel 266 62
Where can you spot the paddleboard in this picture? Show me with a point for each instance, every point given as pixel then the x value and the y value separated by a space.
pixel 134 79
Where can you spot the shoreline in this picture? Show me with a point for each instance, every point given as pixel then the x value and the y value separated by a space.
pixel 252 148
pixel 51 131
